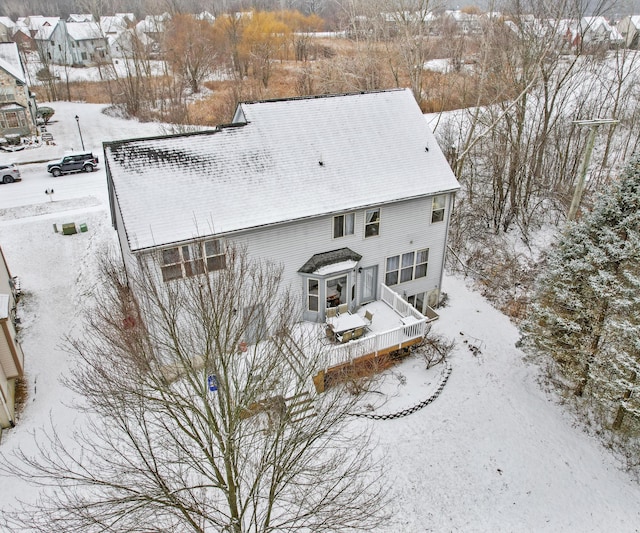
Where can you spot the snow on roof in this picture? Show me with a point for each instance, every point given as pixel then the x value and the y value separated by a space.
pixel 10 61
pixel 293 159
pixel 80 17
pixel 113 24
pixel 36 22
pixel 82 31
pixel 7 22
pixel 44 32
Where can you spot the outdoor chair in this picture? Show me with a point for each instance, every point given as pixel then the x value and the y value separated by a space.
pixel 345 337
pixel 343 308
pixel 358 332
pixel 331 312
pixel 368 316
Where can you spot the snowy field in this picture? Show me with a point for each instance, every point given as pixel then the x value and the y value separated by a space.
pixel 492 453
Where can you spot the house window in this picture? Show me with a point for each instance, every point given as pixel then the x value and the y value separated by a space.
pixel 312 291
pixel 214 255
pixel 7 94
pixel 12 119
pixel 191 259
pixel 437 208
pixel 406 267
pixel 418 300
pixel 84 56
pixel 336 291
pixel 343 225
pixel 372 223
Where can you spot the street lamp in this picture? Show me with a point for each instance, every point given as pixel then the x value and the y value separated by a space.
pixel 79 131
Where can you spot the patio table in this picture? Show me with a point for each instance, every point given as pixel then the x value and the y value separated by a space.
pixel 344 322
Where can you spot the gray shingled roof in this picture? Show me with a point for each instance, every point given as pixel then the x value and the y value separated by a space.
pixel 294 159
pixel 324 259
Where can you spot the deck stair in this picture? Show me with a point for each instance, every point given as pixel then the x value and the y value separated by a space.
pixel 300 406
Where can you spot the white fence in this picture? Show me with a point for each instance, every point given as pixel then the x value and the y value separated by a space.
pixel 385 341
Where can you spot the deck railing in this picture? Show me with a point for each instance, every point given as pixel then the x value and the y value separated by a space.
pixel 385 341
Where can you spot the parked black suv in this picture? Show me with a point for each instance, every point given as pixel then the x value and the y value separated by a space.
pixel 76 162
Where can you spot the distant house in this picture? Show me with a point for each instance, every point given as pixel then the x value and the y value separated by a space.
pixel 466 23
pixel 351 193
pixel 80 17
pixel 17 104
pixel 115 24
pixel 7 27
pixel 206 16
pixel 86 43
pixel 72 43
pixel 153 28
pixel 597 30
pixel 50 41
pixel 629 28
pixel 11 356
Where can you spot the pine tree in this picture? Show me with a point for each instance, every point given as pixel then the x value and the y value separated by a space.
pixel 585 313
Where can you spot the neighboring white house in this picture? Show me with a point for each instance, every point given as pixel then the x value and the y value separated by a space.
pixel 50 41
pixel 11 356
pixel 112 25
pixel 348 192
pixel 152 30
pixel 629 28
pixel 597 30
pixel 87 44
pixel 72 43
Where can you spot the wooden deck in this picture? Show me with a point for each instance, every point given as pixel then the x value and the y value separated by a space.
pixel 396 326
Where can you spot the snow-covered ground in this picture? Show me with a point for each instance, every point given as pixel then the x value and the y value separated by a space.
pixel 492 453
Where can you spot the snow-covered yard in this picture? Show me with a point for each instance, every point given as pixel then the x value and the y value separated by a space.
pixel 493 452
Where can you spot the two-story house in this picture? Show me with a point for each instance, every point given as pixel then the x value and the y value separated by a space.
pixel 17 104
pixel 11 356
pixel 351 193
pixel 86 43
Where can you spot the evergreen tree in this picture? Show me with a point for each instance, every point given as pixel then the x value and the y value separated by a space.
pixel 585 314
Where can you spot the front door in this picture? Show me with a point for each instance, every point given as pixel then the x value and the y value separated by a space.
pixel 368 284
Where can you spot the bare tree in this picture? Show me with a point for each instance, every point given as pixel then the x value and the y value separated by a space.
pixel 162 451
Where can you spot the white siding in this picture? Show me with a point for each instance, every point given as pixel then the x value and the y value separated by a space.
pixel 5 355
pixel 7 339
pixel 404 227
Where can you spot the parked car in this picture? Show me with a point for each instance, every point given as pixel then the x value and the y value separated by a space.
pixel 75 162
pixel 9 174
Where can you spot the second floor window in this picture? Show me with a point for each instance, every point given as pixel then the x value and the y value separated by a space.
pixel 343 225
pixel 372 223
pixel 437 208
pixel 191 259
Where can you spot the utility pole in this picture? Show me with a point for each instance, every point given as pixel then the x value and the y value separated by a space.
pixel 577 195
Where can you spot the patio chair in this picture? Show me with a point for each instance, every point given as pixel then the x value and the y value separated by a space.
pixel 343 308
pixel 346 336
pixel 331 312
pixel 368 316
pixel 358 332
